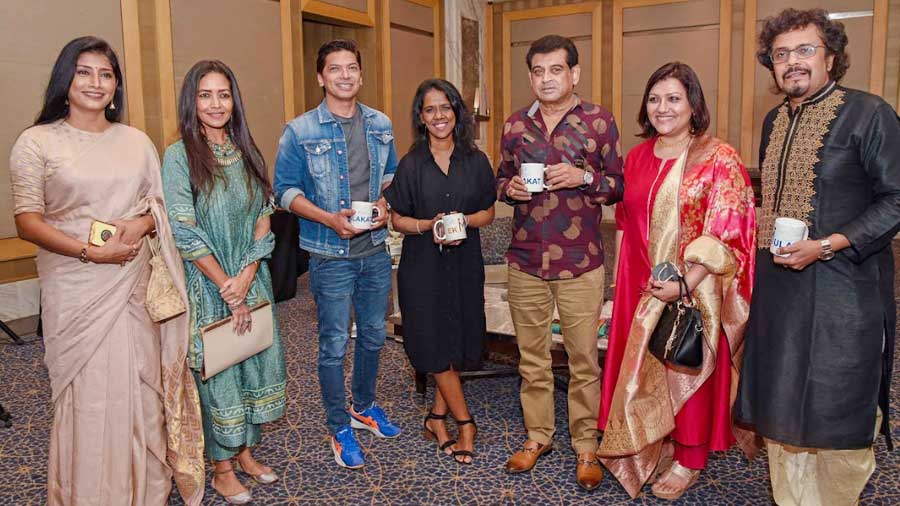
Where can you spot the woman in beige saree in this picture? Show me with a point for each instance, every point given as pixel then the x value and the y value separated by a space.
pixel 125 410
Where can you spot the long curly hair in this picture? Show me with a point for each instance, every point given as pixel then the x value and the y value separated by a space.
pixel 832 32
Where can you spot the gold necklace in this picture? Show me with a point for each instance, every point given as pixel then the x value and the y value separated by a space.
pixel 677 144
pixel 226 153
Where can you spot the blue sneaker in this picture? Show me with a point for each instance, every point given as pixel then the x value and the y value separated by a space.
pixel 346 450
pixel 375 421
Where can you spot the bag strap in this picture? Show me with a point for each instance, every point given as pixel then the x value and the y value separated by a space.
pixel 154 244
pixel 684 292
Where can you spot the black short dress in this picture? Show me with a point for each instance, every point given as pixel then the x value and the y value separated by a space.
pixel 442 291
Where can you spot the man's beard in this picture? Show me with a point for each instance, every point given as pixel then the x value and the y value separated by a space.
pixel 796 90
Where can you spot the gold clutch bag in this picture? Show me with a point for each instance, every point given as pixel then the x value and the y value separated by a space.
pixel 222 347
pixel 163 300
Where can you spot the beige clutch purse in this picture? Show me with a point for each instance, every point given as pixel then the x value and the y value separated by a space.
pixel 222 348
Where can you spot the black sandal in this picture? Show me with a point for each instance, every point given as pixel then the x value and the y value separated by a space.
pixel 465 453
pixel 429 434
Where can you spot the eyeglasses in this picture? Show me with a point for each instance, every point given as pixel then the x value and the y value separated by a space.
pixel 803 52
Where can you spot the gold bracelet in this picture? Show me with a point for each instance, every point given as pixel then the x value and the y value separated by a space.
pixel 82 257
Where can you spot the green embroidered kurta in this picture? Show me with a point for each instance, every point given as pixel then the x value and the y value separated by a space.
pixel 222 223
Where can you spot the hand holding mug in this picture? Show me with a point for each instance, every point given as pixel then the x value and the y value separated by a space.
pixel 798 255
pixel 381 216
pixel 516 189
pixel 563 175
pixel 340 223
pixel 449 229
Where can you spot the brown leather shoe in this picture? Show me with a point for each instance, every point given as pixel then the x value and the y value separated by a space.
pixel 524 459
pixel 588 472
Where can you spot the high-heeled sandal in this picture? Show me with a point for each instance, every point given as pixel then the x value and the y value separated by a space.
pixel 240 498
pixel 429 434
pixel 466 453
pixel 261 478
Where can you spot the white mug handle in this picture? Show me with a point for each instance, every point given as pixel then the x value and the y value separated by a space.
pixel 376 212
pixel 443 230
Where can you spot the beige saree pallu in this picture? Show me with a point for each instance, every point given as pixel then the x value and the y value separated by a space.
pixel 648 394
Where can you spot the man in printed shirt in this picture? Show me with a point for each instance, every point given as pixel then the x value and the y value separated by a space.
pixel 556 255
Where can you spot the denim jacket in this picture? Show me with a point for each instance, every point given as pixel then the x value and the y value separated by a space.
pixel 312 161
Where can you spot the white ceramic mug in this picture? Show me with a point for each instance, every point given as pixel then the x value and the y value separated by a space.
pixel 533 174
pixel 365 214
pixel 452 227
pixel 787 232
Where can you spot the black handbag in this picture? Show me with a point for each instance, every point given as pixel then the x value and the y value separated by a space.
pixel 678 336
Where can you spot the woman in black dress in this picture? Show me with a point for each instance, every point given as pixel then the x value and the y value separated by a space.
pixel 441 283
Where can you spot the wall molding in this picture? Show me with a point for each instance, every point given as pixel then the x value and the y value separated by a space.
pixel 341 14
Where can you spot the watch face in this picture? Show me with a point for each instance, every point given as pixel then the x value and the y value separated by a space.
pixel 588 178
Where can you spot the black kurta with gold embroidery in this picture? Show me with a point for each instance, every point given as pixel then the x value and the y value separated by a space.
pixel 819 343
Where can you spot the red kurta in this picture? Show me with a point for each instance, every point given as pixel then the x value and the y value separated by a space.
pixel 643 175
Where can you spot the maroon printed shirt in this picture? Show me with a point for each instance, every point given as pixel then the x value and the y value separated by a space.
pixel 556 235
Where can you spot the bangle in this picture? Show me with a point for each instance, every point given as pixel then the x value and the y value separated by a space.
pixel 417 228
pixel 82 257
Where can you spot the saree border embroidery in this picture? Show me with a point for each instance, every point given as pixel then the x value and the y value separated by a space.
pixel 799 189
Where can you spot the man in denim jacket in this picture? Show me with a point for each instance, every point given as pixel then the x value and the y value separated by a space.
pixel 338 153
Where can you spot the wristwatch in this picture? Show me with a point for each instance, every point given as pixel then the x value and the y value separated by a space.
pixel 587 178
pixel 827 253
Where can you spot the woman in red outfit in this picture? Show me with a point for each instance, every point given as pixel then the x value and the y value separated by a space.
pixel 687 201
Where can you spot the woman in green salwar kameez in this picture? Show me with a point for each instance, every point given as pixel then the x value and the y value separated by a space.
pixel 218 199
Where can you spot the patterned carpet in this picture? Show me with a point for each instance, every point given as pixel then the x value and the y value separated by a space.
pixel 404 471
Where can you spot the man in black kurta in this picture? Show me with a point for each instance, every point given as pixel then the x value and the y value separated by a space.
pixel 820 339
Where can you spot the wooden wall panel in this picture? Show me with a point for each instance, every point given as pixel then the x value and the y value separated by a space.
pixel 412 15
pixel 520 86
pixel 418 65
pixel 357 5
pixel 316 33
pixel 412 40
pixel 647 51
pixel 654 35
pixel 252 50
pixel 32 32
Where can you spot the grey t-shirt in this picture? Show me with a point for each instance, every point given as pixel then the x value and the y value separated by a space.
pixel 358 161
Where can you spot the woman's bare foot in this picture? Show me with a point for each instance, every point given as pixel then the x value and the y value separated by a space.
pixel 250 465
pixel 225 482
pixel 674 482
pixel 466 443
pixel 439 428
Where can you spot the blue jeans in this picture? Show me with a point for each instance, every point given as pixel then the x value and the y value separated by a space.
pixel 336 283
